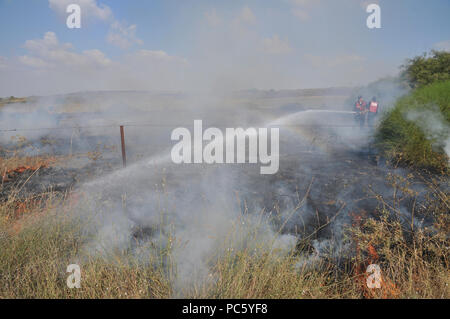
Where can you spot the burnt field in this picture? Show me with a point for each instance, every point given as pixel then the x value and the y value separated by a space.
pixel 330 179
pixel 328 170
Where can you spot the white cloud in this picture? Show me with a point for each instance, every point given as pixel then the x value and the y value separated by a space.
pixel 33 61
pixel 123 36
pixel 233 55
pixel 96 57
pixel 48 52
pixel 43 46
pixel 247 16
pixel 120 34
pixel 51 67
pixel 212 18
pixel 443 45
pixel 275 45
pixel 89 8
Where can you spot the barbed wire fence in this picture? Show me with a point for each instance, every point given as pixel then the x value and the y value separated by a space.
pixel 122 126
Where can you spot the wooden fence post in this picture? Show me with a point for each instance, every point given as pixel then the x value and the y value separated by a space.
pixel 122 139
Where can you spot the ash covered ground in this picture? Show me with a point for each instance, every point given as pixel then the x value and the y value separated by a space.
pixel 328 169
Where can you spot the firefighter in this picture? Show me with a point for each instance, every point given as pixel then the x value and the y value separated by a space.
pixel 373 111
pixel 361 111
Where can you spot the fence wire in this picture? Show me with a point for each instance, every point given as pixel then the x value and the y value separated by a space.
pixel 78 127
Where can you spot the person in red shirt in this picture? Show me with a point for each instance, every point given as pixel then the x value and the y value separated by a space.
pixel 374 108
pixel 361 111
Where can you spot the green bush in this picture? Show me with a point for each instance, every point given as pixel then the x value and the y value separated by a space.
pixel 421 141
pixel 427 69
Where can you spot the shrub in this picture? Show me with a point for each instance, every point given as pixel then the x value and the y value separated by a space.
pixel 426 69
pixel 416 130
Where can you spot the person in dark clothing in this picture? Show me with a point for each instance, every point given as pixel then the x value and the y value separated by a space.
pixel 361 111
pixel 374 108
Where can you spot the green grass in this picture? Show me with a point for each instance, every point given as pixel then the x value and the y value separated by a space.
pixel 411 142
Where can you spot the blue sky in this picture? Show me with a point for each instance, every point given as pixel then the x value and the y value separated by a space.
pixel 168 44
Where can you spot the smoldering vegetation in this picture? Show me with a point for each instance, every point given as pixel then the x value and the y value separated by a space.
pixel 189 215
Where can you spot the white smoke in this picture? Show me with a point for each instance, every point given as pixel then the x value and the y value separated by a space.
pixel 434 126
pixel 191 221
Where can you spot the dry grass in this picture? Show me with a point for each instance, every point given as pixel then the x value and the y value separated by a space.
pixel 10 164
pixel 37 247
pixel 12 100
pixel 15 159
